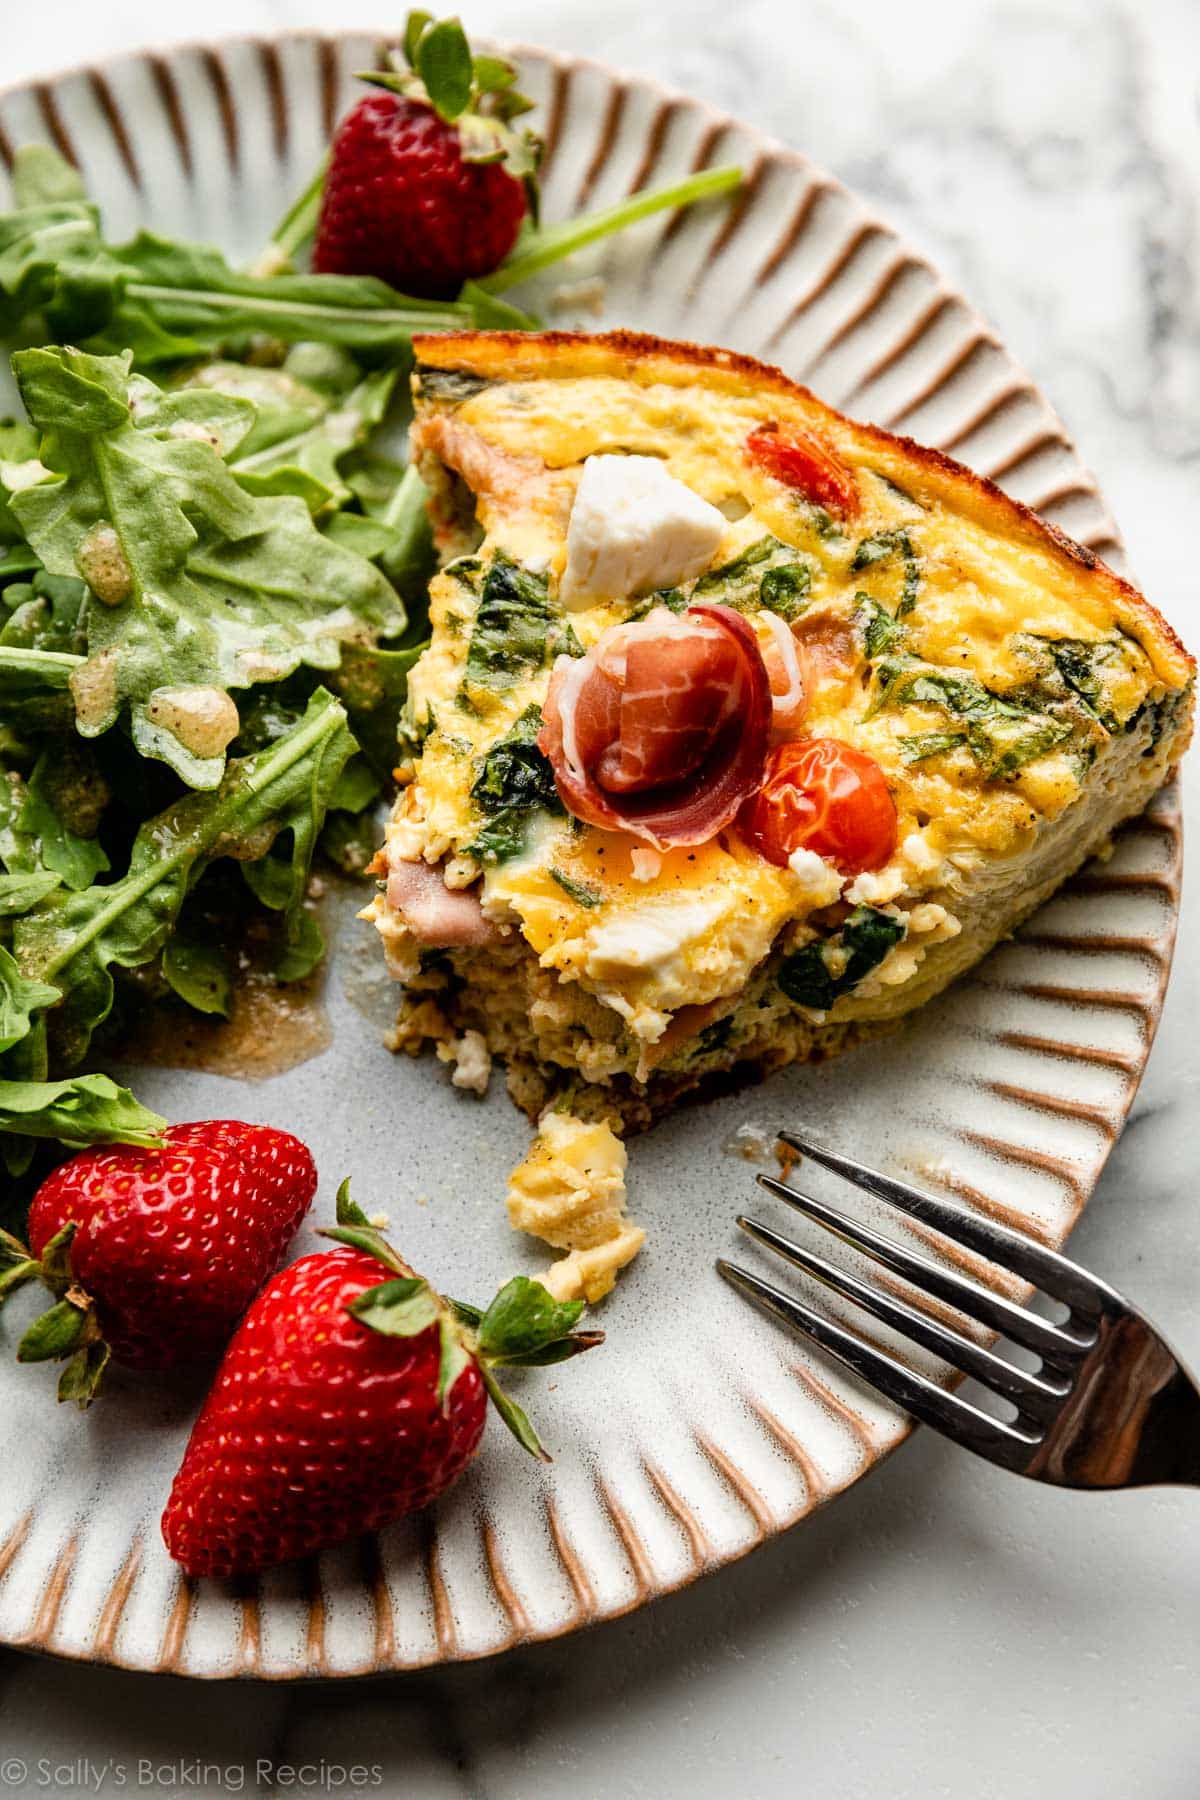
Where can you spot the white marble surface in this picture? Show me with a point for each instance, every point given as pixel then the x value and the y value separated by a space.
pixel 942 1630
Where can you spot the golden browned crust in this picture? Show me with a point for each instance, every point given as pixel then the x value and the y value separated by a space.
pixel 637 356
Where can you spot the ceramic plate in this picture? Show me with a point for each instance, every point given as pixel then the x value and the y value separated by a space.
pixel 699 1429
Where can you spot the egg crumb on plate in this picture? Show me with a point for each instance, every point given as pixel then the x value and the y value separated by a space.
pixel 570 1191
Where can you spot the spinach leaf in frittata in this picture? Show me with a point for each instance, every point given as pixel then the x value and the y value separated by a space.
pixel 820 973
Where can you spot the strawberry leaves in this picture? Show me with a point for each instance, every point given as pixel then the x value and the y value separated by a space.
pixel 68 1331
pixel 478 94
pixel 442 58
pixel 524 1327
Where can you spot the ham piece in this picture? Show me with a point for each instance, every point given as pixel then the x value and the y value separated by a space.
pixel 661 729
pixel 439 917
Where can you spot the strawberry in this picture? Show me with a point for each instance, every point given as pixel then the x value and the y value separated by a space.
pixel 428 181
pixel 154 1255
pixel 344 1402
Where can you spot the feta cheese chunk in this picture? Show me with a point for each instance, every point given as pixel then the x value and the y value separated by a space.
pixel 654 938
pixel 634 529
pixel 820 884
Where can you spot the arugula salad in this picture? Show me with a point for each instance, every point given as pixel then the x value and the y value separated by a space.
pixel 213 568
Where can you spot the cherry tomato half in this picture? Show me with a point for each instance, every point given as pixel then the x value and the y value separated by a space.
pixel 802 461
pixel 820 794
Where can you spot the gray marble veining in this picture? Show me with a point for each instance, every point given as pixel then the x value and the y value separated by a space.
pixel 941 1630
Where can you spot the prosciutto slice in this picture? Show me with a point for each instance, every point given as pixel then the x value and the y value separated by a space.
pixel 439 917
pixel 661 729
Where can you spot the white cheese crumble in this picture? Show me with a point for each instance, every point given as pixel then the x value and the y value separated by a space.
pixel 650 938
pixel 634 528
pixel 876 887
pixel 645 865
pixel 472 1061
pixel 918 854
pixel 820 884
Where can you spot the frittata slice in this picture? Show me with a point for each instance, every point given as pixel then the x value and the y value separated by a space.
pixel 743 728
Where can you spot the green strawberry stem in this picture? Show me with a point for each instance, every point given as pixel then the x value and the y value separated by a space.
pixel 542 248
pixel 524 1327
pixel 297 226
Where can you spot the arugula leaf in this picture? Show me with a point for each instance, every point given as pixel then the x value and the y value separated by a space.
pixel 372 685
pixel 170 302
pixel 768 574
pixel 18 467
pixel 879 631
pixel 51 223
pixel 196 585
pixel 349 841
pixel 20 999
pixel 44 614
pixel 301 950
pixel 500 837
pixel 64 801
pixel 20 892
pixel 72 940
pixel 408 559
pixel 91 1109
pixel 305 459
pixel 198 971
pixel 784 590
pixel 518 628
pixel 18 851
pixel 822 972
pixel 880 547
pixel 35 690
pixel 41 176
pixel 17 560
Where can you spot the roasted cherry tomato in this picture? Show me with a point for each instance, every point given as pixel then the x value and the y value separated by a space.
pixel 820 794
pixel 801 460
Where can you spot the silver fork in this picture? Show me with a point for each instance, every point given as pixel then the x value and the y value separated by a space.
pixel 1110 1405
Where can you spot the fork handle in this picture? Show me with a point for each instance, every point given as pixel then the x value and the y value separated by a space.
pixel 1133 1417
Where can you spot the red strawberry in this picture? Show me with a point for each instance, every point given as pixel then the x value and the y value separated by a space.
pixel 154 1255
pixel 344 1402
pixel 428 182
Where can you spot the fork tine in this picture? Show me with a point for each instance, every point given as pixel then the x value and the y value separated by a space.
pixel 1052 1273
pixel 978 1303
pixel 947 1413
pixel 1029 1391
